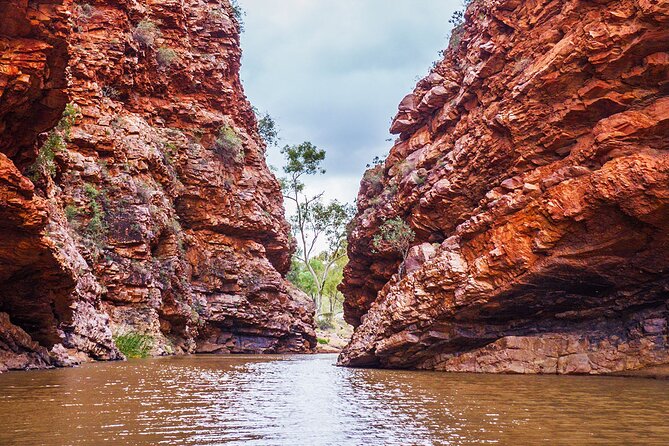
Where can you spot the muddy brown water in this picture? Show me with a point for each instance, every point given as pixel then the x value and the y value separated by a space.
pixel 306 400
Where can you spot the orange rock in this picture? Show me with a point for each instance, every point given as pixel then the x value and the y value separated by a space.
pixel 161 216
pixel 546 182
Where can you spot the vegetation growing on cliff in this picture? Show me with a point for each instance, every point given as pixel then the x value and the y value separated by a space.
pixel 166 56
pixel 146 32
pixel 134 345
pixel 239 14
pixel 267 128
pixel 229 145
pixel 56 141
pixel 395 235
pixel 458 21
pixel 96 229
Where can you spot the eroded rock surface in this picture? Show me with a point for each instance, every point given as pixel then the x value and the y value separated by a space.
pixel 49 300
pixel 155 213
pixel 532 164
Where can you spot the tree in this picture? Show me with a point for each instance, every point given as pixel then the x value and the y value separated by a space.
pixel 397 236
pixel 267 128
pixel 239 14
pixel 331 300
pixel 313 221
pixel 335 298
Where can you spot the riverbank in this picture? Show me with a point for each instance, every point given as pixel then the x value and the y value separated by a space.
pixel 333 339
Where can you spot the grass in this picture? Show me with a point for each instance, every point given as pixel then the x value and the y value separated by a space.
pixel 134 345
pixel 71 212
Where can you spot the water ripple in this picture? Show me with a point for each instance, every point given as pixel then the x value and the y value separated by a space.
pixel 305 400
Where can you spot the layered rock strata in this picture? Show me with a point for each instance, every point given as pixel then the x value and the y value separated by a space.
pixel 532 165
pixel 135 194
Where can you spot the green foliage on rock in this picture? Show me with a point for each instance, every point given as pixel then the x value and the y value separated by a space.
pixel 134 345
pixel 458 22
pixel 377 161
pixel 239 14
pixel 229 145
pixel 267 128
pixel 71 212
pixel 96 230
pixel 396 235
pixel 56 141
pixel 145 33
pixel 166 56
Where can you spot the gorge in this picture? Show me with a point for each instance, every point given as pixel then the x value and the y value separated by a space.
pixel 164 280
pixel 530 167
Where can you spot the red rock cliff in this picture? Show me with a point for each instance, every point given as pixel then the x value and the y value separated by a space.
pixel 155 208
pixel 532 164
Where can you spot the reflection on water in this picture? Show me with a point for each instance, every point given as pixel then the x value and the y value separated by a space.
pixel 305 400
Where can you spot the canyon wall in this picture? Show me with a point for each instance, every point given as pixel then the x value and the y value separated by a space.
pixel 532 165
pixel 135 195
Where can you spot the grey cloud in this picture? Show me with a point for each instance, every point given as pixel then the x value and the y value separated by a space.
pixel 333 72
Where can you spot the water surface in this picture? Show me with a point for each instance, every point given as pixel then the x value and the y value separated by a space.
pixel 305 400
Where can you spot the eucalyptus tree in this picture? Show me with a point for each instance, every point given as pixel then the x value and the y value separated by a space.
pixel 319 228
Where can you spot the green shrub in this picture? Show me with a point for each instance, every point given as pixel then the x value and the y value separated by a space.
pixel 374 176
pixel 166 56
pixel 267 128
pixel 456 36
pixel 169 152
pixel 55 142
pixel 458 22
pixel 67 121
pixel 134 345
pixel 397 235
pixel 96 230
pixel 323 341
pixel 91 191
pixel 71 212
pixel 45 162
pixel 145 33
pixel 377 161
pixel 229 144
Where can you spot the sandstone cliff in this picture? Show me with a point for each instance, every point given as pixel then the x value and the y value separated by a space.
pixel 532 164
pixel 134 193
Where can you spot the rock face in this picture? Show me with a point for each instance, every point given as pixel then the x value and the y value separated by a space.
pixel 532 164
pixel 134 193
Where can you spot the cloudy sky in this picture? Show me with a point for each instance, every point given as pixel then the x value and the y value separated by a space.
pixel 333 72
